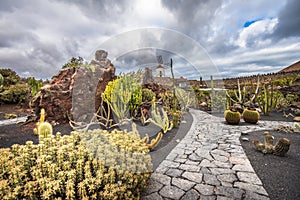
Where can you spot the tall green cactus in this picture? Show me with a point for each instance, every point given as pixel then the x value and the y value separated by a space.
pixel 267 100
pixel 35 86
pixel 1 80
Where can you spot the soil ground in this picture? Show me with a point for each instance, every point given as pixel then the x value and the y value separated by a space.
pixel 279 175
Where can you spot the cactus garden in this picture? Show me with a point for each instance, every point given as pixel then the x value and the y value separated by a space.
pixel 91 134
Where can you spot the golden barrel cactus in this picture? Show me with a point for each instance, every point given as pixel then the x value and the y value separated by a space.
pixel 232 116
pixel 251 115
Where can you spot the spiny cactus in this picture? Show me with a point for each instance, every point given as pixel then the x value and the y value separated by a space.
pixel 232 116
pixel 43 129
pixel 240 94
pixel 155 141
pixel 123 96
pixel 267 100
pixel 160 118
pixel 251 115
pixel 63 168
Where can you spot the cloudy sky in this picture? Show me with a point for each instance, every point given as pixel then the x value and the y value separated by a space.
pixel 238 37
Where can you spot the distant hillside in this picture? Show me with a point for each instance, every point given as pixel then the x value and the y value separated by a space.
pixel 293 67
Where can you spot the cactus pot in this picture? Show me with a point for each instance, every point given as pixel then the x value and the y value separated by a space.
pixel 232 116
pixel 251 115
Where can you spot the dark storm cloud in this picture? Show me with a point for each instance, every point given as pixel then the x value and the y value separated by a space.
pixel 289 20
pixel 193 16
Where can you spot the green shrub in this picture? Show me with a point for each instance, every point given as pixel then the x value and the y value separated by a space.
pixel 63 168
pixel 15 93
pixel 10 77
pixel 35 86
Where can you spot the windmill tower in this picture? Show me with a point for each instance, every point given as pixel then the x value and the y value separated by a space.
pixel 160 70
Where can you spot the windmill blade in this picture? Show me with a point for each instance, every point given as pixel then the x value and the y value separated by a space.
pixel 159 59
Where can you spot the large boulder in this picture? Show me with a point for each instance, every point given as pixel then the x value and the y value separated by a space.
pixel 75 92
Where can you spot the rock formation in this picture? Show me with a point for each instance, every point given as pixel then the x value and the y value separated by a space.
pixel 75 92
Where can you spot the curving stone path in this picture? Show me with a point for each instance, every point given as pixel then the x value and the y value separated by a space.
pixel 209 163
pixel 13 121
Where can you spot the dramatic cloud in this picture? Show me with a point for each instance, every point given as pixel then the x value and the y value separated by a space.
pixel 38 37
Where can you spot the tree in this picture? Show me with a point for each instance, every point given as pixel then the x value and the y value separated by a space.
pixel 73 62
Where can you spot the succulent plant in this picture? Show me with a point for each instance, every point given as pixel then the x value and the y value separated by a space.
pixel 63 168
pixel 160 118
pixel 232 116
pixel 251 115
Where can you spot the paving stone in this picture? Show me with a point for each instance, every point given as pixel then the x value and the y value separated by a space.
pixel 204 154
pixel 153 196
pixel 193 176
pixel 221 171
pixel 191 195
pixel 189 162
pixel 254 188
pixel 180 160
pixel 207 163
pixel 220 152
pixel 227 178
pixel 205 170
pixel 220 158
pixel 237 160
pixel 211 197
pixel 224 198
pixel 249 178
pixel 171 192
pixel 195 157
pixel 152 186
pixel 182 183
pixel 222 164
pixel 162 169
pixel 234 193
pixel 171 156
pixel 226 184
pixel 243 168
pixel 205 189
pixel 161 178
pixel 174 172
pixel 249 195
pixel 169 164
pixel 190 168
pixel 178 150
pixel 210 179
